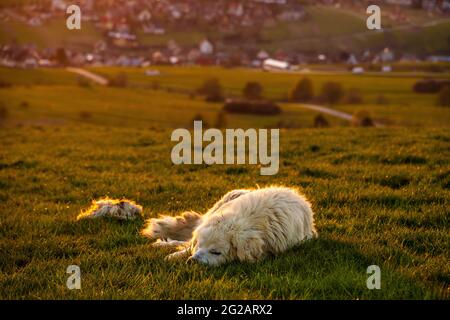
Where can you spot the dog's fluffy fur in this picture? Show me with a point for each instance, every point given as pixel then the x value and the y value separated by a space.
pixel 244 225
pixel 122 209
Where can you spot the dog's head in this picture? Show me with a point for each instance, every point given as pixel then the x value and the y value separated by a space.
pixel 218 241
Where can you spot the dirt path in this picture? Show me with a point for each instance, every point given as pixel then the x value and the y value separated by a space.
pixel 89 75
pixel 334 113
pixel 331 112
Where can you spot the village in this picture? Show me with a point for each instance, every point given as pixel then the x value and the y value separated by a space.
pixel 122 24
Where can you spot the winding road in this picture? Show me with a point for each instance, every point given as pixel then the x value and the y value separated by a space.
pixel 89 75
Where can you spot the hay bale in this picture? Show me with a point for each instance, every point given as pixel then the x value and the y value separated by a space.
pixel 122 209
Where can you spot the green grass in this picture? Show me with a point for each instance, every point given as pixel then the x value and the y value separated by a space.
pixel 381 195
pixel 404 107
pixel 136 107
pixel 45 77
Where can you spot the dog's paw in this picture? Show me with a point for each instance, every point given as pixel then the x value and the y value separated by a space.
pixel 160 243
pixel 177 255
pixel 169 243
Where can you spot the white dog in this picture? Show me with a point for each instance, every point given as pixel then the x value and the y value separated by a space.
pixel 244 225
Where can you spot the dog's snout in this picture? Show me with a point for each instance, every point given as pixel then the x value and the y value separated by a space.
pixel 198 256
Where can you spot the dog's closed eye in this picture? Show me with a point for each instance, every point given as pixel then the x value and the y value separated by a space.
pixel 215 252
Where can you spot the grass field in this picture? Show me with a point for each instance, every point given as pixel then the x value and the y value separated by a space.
pixel 381 195
pixel 403 107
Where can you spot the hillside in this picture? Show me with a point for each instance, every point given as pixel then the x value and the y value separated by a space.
pixel 325 29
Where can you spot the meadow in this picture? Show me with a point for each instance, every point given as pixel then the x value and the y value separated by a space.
pixel 381 195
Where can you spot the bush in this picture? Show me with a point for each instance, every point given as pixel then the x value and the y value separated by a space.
pixel 252 91
pixel 61 57
pixel 429 86
pixel 362 119
pixel 354 96
pixel 331 92
pixel 119 81
pixel 252 107
pixel 320 121
pixel 303 91
pixel 199 117
pixel 444 97
pixel 212 90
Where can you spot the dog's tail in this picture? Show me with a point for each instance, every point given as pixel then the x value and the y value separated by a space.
pixel 175 228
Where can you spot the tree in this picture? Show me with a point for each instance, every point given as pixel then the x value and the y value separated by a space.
pixel 61 57
pixel 199 117
pixel 332 92
pixel 320 121
pixel 212 90
pixel 253 90
pixel 444 97
pixel 302 91
pixel 362 118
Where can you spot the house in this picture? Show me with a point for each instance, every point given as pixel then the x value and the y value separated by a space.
pixel 34 22
pixel 406 3
pixel 193 55
pixel 173 47
pixel 262 55
pixel 58 5
pixel 144 15
pixel 30 63
pixel 358 70
pixel 386 55
pixel 206 47
pixel 272 1
pixel 272 64
pixel 352 60
pixel 438 58
pixel 236 9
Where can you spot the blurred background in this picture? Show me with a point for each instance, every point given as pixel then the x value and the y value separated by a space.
pixel 185 52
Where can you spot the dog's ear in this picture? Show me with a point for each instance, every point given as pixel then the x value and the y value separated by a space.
pixel 247 245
